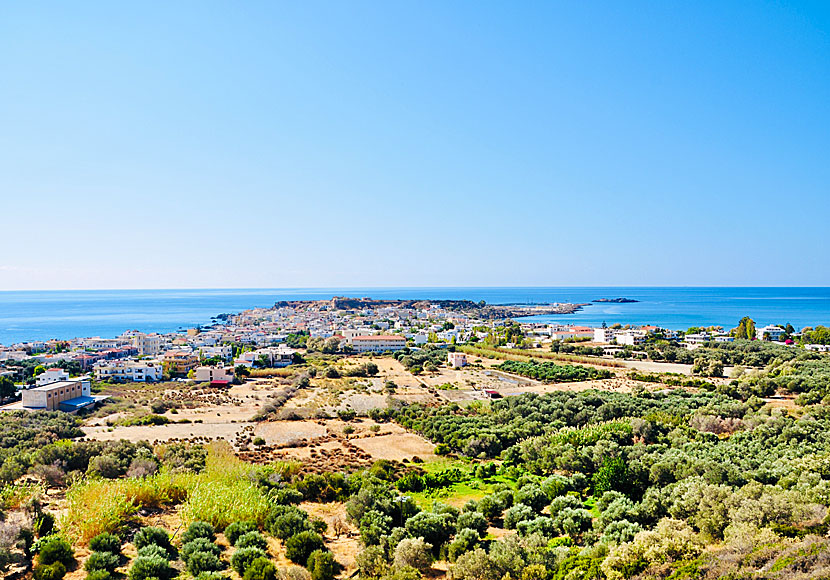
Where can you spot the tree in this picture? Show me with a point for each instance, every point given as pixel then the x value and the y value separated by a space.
pixel 260 569
pixel 745 328
pixel 7 388
pixel 322 565
pixel 475 565
pixel 299 547
pixel 414 553
pixel 434 528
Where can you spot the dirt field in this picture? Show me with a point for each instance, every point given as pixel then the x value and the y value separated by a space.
pixel 318 439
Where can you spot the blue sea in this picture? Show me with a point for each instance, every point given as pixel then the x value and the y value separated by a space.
pixel 41 315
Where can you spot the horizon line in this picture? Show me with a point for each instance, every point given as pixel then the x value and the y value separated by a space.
pixel 342 288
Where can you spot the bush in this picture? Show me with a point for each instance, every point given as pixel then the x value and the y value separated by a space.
pixel 261 569
pixel 289 522
pixel 105 543
pixel 54 571
pixel 155 536
pixel 518 513
pixel 322 565
pixel 99 575
pixel 151 568
pixel 299 547
pixel 413 553
pixel 464 541
pixel 199 530
pixel 252 539
pixel 199 545
pixel 241 559
pixel 473 521
pixel 199 562
pixel 237 529
pixel 54 549
pixel 102 561
pixel 153 551
pixel 211 576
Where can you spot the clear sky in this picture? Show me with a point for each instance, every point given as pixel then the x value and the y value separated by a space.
pixel 275 144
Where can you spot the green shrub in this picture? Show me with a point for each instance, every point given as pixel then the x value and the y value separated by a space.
pixel 241 559
pixel 250 539
pixel 211 576
pixel 99 575
pixel 287 521
pixel 199 530
pixel 299 547
pixel 102 561
pixel 322 565
pixel 204 562
pixel 199 545
pixel 261 569
pixel 54 571
pixel 237 529
pixel 155 536
pixel 105 543
pixel 153 551
pixel 54 549
pixel 151 568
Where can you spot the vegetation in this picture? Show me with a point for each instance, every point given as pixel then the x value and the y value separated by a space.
pixel 553 373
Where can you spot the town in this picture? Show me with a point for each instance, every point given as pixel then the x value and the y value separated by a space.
pixel 57 374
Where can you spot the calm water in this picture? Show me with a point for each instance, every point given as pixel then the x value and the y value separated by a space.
pixel 66 314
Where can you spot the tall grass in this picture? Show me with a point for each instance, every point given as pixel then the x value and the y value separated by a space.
pixel 226 491
pixel 106 505
pixel 15 495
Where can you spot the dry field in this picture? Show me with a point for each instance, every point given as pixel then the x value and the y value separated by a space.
pixel 313 436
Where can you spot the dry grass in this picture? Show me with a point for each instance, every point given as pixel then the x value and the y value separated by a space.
pixel 524 356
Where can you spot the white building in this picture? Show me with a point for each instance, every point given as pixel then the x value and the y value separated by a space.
pixel 697 338
pixel 223 351
pixel 818 347
pixel 770 332
pixel 456 359
pixel 631 337
pixel 51 376
pixel 128 371
pixel 147 344
pixel 275 356
pixel 604 335
pixel 377 343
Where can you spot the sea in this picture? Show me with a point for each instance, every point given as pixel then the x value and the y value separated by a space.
pixel 65 314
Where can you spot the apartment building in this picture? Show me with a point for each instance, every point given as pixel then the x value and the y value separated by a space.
pixel 128 371
pixel 147 344
pixel 51 376
pixel 178 362
pixel 770 332
pixel 604 335
pixel 377 343
pixel 631 337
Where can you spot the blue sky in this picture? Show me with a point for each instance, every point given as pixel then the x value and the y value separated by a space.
pixel 266 144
